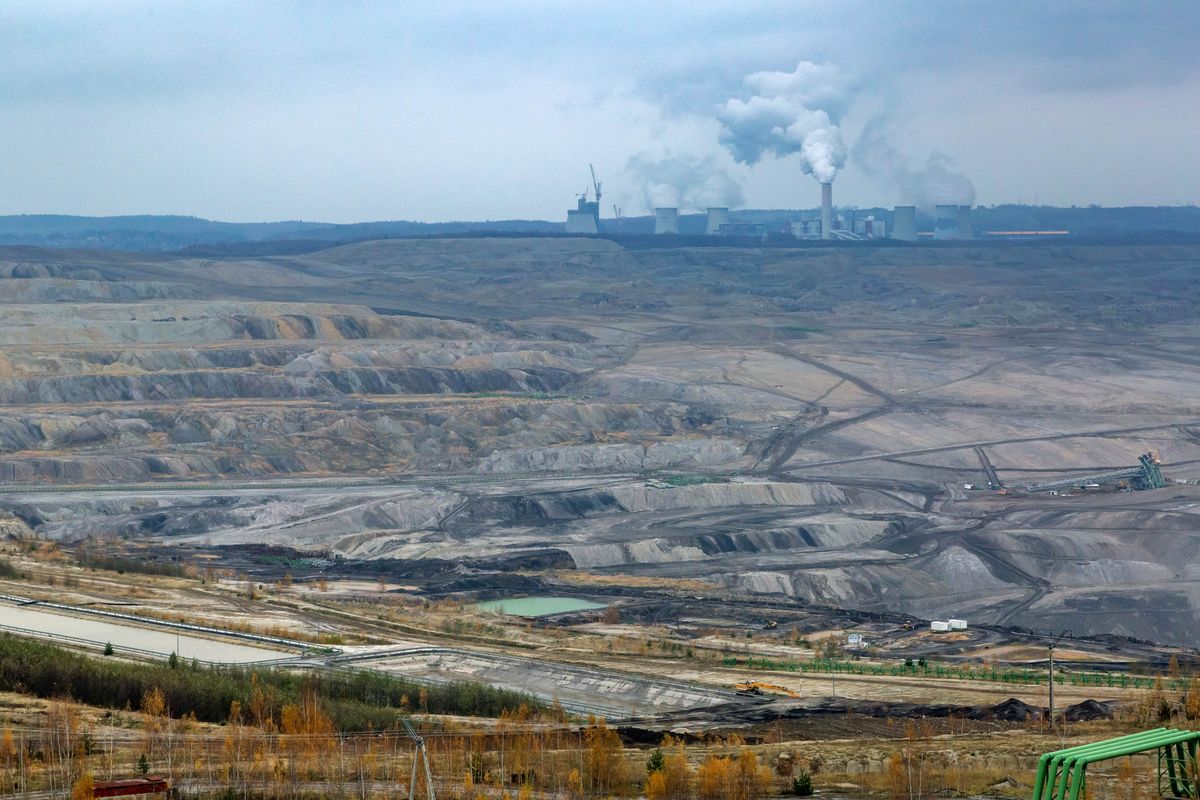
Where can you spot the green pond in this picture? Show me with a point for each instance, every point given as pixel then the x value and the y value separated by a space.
pixel 538 606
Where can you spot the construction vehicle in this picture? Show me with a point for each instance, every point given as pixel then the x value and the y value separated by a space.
pixel 760 688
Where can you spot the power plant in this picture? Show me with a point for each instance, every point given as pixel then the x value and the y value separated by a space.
pixel 951 222
pixel 666 220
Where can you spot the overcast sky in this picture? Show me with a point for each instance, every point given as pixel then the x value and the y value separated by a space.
pixel 346 111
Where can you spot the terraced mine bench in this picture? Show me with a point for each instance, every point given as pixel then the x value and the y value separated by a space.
pixel 1062 774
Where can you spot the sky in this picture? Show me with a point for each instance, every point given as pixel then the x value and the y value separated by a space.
pixel 352 110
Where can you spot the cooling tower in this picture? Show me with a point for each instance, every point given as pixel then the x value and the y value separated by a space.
pixel 904 223
pixel 826 210
pixel 945 222
pixel 716 218
pixel 666 220
pixel 581 221
pixel 965 230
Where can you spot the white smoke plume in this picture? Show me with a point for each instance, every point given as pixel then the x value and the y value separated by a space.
pixel 789 112
pixel 685 182
pixel 936 181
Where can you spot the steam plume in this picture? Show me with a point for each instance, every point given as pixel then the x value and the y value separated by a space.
pixel 936 181
pixel 789 112
pixel 684 182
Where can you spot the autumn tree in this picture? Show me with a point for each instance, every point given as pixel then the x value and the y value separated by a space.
pixel 60 734
pixel 602 757
pixel 84 788
pixel 8 757
pixel 713 778
pixel 308 732
pixel 1191 700
pixel 677 775
pixel 752 780
pixel 154 710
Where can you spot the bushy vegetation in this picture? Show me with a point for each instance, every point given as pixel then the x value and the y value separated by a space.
pixel 693 480
pixel 354 700
pixel 8 571
pixel 131 565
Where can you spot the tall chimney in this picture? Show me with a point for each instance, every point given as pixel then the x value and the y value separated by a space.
pixel 826 210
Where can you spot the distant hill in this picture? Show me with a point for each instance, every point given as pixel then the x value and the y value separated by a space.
pixel 172 233
pixel 167 233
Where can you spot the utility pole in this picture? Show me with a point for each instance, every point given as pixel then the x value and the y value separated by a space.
pixel 420 759
pixel 1053 641
pixel 1051 684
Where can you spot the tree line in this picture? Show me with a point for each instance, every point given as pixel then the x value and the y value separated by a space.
pixel 355 700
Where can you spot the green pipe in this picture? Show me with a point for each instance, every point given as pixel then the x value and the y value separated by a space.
pixel 1101 753
pixel 1172 755
pixel 1049 763
pixel 1055 761
pixel 1181 754
pixel 1073 765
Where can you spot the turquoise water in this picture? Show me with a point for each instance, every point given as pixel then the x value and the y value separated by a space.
pixel 538 606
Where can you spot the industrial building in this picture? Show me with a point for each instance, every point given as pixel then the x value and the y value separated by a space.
pixel 752 229
pixel 585 217
pixel 715 219
pixel 904 223
pixel 666 220
pixel 952 222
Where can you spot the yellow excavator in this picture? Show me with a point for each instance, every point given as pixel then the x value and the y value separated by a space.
pixel 760 688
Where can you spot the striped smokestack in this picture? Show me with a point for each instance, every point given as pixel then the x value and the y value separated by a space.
pixel 826 210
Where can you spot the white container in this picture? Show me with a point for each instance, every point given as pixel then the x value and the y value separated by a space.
pixel 939 625
pixel 957 624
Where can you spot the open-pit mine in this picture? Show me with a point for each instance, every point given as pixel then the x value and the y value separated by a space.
pixel 699 443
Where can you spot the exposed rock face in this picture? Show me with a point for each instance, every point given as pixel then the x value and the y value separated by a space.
pixel 616 457
pixel 816 411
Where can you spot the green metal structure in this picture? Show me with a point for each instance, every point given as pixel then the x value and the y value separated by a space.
pixel 1151 475
pixel 1146 475
pixel 1062 775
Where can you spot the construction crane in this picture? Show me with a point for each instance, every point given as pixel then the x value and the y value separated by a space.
pixel 595 183
pixel 1146 475
pixel 420 754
